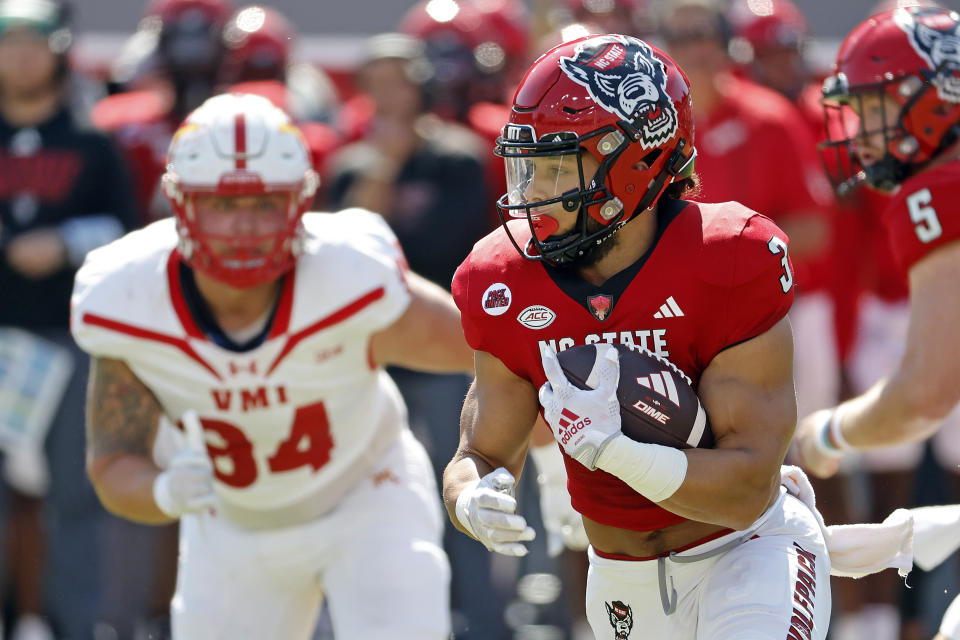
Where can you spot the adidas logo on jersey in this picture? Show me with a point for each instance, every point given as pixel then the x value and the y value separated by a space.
pixel 663 384
pixel 669 309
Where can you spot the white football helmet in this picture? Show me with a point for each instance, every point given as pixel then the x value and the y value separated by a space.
pixel 239 145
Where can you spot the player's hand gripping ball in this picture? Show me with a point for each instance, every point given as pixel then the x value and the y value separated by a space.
pixel 657 401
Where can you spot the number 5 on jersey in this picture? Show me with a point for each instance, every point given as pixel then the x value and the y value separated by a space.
pixel 778 246
pixel 927 225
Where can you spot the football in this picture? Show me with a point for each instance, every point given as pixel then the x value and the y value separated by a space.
pixel 657 401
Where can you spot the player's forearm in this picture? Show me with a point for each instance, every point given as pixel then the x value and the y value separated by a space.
pixel 463 470
pixel 124 484
pixel 893 411
pixel 728 487
pixel 428 336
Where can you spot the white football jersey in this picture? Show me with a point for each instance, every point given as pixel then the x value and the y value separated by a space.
pixel 295 421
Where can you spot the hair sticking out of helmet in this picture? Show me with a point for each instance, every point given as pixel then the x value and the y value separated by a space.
pixel 893 102
pixel 239 146
pixel 600 126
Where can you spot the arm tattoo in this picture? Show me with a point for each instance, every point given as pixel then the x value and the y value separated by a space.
pixel 122 413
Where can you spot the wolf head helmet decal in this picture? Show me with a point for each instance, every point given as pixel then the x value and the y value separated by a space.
pixel 625 78
pixel 910 57
pixel 615 113
pixel 939 46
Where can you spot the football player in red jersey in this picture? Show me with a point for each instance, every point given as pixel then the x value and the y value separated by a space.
pixel 599 246
pixel 897 88
pixel 894 99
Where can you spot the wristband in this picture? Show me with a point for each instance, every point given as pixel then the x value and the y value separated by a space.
pixel 461 509
pixel 830 438
pixel 161 496
pixel 652 470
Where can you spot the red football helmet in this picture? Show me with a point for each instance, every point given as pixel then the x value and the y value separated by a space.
pixel 239 145
pixel 508 22
pixel 616 98
pixel 768 24
pixel 173 10
pixel 257 41
pixel 911 55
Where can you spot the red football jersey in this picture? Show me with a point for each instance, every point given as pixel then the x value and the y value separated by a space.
pixel 754 147
pixel 924 214
pixel 716 275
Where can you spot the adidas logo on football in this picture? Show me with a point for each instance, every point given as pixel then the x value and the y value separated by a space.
pixel 669 309
pixel 663 384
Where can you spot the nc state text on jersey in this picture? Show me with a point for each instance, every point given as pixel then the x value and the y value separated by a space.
pixel 653 340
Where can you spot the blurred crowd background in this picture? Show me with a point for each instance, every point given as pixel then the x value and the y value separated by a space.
pixel 400 103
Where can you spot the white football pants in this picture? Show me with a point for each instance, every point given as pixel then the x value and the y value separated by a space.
pixel 377 557
pixel 769 582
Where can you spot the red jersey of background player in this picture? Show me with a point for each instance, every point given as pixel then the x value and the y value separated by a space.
pixel 747 154
pixel 924 214
pixel 715 276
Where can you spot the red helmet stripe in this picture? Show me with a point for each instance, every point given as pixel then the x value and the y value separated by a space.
pixel 240 140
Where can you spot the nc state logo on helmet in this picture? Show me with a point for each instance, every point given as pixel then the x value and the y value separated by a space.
pixel 615 98
pixel 912 57
pixel 239 145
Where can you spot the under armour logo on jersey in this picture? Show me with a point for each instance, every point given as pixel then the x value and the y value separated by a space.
pixel 669 309
pixel 663 384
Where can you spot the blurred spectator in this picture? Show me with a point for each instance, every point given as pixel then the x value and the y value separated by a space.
pixel 629 17
pixel 750 149
pixel 258 41
pixel 63 192
pixel 477 50
pixel 171 65
pixel 425 176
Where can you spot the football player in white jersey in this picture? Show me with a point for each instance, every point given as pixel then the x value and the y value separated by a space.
pixel 238 383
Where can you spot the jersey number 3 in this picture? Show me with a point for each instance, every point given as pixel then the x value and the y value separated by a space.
pixel 309 443
pixel 927 223
pixel 777 246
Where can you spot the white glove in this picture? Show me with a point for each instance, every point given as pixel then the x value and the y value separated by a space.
pixel 563 524
pixel 583 421
pixel 187 484
pixel 488 511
